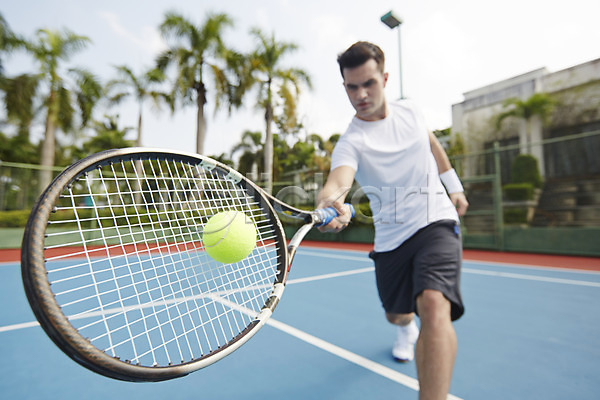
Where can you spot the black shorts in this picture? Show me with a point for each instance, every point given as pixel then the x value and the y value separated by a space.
pixel 430 259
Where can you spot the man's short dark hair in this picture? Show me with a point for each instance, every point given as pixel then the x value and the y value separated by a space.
pixel 358 54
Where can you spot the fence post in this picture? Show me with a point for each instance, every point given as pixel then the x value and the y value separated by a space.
pixel 498 207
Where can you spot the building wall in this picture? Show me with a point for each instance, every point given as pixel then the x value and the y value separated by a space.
pixel 576 91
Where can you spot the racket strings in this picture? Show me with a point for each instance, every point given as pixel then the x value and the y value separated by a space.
pixel 119 298
pixel 173 289
pixel 141 287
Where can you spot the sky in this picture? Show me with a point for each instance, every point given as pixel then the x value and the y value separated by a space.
pixel 447 48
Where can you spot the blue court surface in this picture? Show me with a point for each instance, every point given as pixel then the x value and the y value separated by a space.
pixel 528 333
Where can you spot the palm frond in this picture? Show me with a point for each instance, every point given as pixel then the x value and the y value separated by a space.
pixel 19 96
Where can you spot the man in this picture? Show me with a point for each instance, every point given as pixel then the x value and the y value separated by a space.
pixel 400 166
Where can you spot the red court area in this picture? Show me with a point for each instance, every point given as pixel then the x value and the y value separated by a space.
pixel 542 260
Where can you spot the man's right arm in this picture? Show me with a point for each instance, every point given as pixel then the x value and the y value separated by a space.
pixel 333 195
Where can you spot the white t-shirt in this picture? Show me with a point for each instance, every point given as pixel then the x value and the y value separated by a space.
pixel 397 171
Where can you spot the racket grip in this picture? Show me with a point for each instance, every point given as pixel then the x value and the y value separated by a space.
pixel 326 215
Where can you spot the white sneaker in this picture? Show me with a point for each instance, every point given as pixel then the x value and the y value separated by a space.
pixel 404 346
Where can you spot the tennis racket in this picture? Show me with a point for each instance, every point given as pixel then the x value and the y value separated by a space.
pixel 115 270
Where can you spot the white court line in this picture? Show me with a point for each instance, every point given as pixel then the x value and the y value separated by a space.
pixel 327 254
pixel 471 271
pixel 342 353
pixel 329 276
pixel 370 269
pixel 528 266
pixel 324 253
pixel 531 277
pixel 354 358
pixel 19 326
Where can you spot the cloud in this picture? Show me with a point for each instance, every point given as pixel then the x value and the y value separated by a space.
pixel 262 20
pixel 148 39
pixel 330 31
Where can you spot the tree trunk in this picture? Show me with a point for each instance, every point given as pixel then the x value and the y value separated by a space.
pixel 268 149
pixel 137 197
pixel 528 134
pixel 49 145
pixel 138 141
pixel 200 121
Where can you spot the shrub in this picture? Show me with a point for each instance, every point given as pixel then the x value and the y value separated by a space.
pixel 515 216
pixel 518 191
pixel 14 219
pixel 525 169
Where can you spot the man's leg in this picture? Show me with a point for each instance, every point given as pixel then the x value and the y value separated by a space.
pixel 406 337
pixel 400 319
pixel 436 346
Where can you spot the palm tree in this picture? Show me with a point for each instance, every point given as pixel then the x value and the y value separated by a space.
pixel 108 135
pixel 196 50
pixel 251 147
pixel 538 105
pixel 275 86
pixel 51 49
pixel 140 87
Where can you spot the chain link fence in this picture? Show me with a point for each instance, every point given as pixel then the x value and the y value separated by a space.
pixel 564 203
pixel 504 214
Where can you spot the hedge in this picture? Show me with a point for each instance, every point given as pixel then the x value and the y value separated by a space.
pixel 14 219
pixel 518 191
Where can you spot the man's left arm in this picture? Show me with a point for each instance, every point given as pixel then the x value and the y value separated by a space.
pixel 448 176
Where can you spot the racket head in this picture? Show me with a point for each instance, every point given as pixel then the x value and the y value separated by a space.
pixel 114 268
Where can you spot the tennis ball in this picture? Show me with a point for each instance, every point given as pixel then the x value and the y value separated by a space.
pixel 229 236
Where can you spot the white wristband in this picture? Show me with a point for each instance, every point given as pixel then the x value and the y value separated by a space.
pixel 451 181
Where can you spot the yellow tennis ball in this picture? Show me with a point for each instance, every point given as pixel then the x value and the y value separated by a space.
pixel 229 236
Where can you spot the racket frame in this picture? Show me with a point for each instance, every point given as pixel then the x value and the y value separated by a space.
pixel 57 325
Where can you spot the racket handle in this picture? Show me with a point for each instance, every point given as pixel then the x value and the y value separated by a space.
pixel 326 215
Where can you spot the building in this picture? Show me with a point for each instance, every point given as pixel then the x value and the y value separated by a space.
pixel 576 92
pixel 566 144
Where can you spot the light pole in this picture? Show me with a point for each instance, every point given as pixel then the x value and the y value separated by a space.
pixel 393 21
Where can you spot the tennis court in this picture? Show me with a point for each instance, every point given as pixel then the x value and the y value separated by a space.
pixel 529 332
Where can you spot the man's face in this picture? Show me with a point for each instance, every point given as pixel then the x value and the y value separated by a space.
pixel 365 88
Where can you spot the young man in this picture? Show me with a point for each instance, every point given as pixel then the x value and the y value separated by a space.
pixel 400 166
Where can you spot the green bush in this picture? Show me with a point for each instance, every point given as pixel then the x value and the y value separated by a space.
pixel 518 191
pixel 515 216
pixel 18 219
pixel 13 219
pixel 525 169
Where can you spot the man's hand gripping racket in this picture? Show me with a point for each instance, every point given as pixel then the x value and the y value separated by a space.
pixel 116 273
